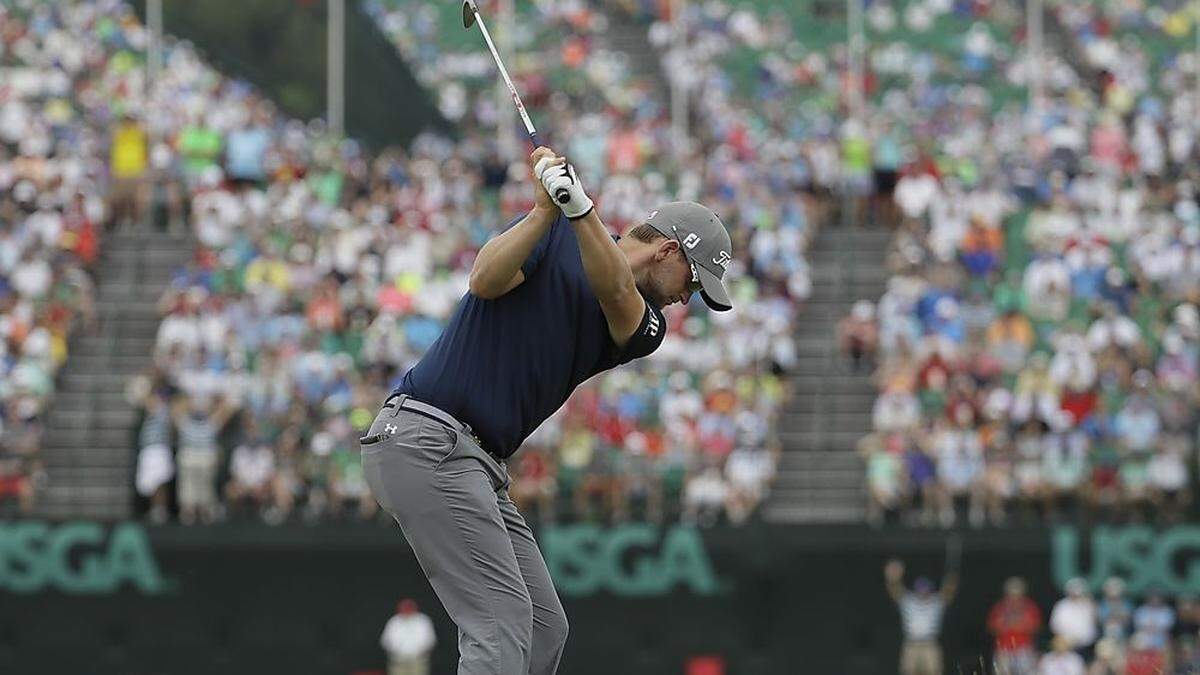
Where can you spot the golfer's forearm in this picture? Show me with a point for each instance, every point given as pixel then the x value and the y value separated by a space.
pixel 500 258
pixel 606 268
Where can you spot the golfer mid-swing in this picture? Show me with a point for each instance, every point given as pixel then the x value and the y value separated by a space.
pixel 553 300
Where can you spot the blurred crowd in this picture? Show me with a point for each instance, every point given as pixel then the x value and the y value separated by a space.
pixel 559 54
pixel 53 206
pixel 1112 635
pixel 780 76
pixel 1036 347
pixel 1117 634
pixel 1035 351
pixel 321 271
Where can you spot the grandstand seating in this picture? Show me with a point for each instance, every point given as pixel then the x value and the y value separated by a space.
pixel 320 272
pixel 1050 359
pixel 52 211
pixel 350 329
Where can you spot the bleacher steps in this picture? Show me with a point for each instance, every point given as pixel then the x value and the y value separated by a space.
pixel 88 443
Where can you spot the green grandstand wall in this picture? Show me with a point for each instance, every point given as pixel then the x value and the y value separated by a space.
pixel 279 45
pixel 84 597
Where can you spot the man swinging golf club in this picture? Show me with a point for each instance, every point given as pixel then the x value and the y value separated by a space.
pixel 553 300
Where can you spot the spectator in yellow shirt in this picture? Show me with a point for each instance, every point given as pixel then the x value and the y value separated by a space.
pixel 127 163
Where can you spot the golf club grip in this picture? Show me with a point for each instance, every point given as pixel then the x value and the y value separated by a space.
pixel 560 196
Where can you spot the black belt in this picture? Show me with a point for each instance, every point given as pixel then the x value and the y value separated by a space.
pixel 406 402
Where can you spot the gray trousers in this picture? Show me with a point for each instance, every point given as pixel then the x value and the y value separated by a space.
pixel 451 501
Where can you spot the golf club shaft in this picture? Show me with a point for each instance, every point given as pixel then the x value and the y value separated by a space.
pixel 562 196
pixel 512 89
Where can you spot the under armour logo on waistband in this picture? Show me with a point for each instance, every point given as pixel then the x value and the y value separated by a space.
pixel 391 428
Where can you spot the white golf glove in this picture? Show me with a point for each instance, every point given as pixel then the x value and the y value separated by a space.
pixel 561 179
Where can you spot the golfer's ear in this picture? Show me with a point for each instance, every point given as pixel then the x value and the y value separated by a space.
pixel 666 248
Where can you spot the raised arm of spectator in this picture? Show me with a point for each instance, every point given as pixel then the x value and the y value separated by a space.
pixel 893 577
pixel 166 301
pixel 178 409
pixel 497 268
pixel 225 409
pixel 949 587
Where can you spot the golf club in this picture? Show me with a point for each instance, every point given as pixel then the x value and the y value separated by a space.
pixel 470 17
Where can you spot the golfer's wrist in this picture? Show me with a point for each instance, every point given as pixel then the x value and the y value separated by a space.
pixel 582 213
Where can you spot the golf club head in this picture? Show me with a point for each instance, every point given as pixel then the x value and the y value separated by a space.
pixel 468 13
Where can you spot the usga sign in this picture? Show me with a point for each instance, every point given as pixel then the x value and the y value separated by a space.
pixel 1147 559
pixel 638 560
pixel 76 558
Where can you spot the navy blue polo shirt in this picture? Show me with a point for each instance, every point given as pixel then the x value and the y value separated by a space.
pixel 504 365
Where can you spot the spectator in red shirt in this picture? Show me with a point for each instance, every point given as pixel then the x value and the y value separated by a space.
pixel 534 483
pixel 1014 620
pixel 1143 658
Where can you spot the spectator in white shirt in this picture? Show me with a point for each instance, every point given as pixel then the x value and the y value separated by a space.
pixel 704 496
pixel 408 639
pixel 1048 230
pixel 1048 287
pixel 1112 328
pixel 914 194
pixel 1074 617
pixel 1072 365
pixel 1168 476
pixel 747 471
pixel 251 468
pixel 896 411
pixel 180 326
pixel 32 276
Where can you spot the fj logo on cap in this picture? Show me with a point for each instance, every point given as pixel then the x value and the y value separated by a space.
pixel 691 241
pixel 723 259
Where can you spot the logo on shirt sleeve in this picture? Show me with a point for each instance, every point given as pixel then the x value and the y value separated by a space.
pixel 652 325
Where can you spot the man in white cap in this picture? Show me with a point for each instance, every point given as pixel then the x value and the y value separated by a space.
pixel 408 639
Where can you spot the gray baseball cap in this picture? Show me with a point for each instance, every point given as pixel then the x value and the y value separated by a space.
pixel 705 244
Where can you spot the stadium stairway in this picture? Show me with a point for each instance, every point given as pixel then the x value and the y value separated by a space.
pixel 1058 40
pixel 89 434
pixel 820 476
pixel 630 37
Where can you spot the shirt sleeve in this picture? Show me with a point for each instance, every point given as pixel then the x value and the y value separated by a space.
pixel 648 336
pixel 534 260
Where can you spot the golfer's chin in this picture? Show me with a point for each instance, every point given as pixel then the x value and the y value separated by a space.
pixel 656 300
